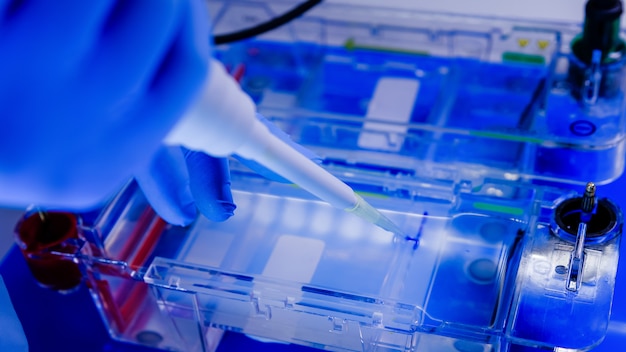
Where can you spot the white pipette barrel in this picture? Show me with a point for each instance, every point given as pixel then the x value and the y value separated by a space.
pixel 224 122
pixel 271 152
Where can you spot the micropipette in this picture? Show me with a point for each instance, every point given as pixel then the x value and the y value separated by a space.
pixel 223 122
pixel 278 156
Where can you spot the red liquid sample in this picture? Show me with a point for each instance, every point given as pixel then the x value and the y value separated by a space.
pixel 40 234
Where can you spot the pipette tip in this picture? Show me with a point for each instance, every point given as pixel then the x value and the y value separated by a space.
pixel 386 224
pixel 367 212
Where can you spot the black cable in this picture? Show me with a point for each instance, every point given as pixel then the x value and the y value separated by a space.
pixel 266 26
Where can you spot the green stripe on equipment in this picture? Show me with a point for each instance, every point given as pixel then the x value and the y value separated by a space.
pixel 498 208
pixel 510 56
pixel 350 44
pixel 371 194
pixel 507 137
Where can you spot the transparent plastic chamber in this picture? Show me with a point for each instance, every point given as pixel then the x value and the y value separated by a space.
pixel 466 132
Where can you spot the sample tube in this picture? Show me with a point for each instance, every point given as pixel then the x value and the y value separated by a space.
pixel 43 238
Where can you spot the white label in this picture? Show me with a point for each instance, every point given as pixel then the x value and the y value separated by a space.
pixel 393 101
pixel 294 259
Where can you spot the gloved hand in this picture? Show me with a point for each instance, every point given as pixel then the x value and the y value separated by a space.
pixel 178 181
pixel 88 90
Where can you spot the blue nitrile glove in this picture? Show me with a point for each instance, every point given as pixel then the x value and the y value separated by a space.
pixel 12 336
pixel 89 89
pixel 179 180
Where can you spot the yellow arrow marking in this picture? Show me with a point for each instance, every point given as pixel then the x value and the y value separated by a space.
pixel 523 42
pixel 543 44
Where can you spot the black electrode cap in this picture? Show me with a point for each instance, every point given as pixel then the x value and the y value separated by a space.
pixel 600 32
pixel 603 10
